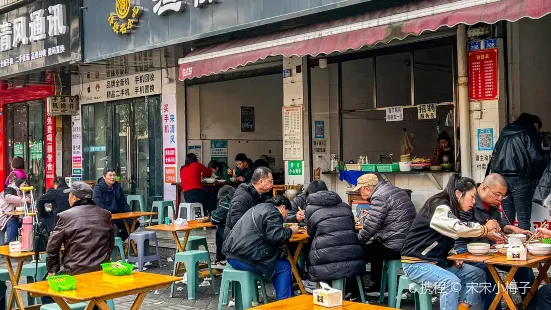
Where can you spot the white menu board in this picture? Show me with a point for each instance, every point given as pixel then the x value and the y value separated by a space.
pixel 292 133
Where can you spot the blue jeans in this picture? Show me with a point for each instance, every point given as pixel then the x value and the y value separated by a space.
pixel 524 278
pixel 518 203
pixel 281 280
pixel 12 229
pixel 451 283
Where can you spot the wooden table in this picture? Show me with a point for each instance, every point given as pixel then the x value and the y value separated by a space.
pixel 97 287
pixel 301 239
pixel 542 263
pixel 20 213
pixel 134 216
pixel 278 188
pixel 20 257
pixel 306 302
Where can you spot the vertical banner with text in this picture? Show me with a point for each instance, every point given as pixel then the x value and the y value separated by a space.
pixel 76 136
pixel 50 151
pixel 170 149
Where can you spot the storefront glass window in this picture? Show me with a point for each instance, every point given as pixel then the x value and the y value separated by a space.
pixel 93 141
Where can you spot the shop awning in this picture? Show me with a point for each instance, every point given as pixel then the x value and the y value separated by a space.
pixel 359 31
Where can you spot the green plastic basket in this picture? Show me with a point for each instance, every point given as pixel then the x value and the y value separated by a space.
pixel 123 270
pixel 546 240
pixel 369 168
pixel 394 167
pixel 62 283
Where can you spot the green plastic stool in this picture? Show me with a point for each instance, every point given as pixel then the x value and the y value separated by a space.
pixel 139 198
pixel 390 276
pixel 244 288
pixel 191 260
pixel 119 247
pixel 160 206
pixel 77 306
pixel 422 298
pixel 194 242
pixel 4 277
pixel 29 270
pixel 340 285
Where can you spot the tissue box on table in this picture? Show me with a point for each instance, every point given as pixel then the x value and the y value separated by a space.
pixel 327 296
pixel 516 251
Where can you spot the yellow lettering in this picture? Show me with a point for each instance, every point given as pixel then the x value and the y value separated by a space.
pixel 116 28
pixel 123 28
pixel 130 24
pixel 111 19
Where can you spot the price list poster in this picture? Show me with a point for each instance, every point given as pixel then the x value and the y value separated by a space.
pixel 483 74
pixel 292 133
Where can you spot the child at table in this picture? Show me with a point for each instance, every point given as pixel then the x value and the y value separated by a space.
pixel 9 201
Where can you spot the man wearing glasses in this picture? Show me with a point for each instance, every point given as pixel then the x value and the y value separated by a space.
pixel 490 194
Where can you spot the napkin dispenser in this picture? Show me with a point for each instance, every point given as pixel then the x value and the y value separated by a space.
pixel 516 250
pixel 327 296
pixel 15 246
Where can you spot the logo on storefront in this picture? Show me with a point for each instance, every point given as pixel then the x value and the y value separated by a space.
pixel 125 18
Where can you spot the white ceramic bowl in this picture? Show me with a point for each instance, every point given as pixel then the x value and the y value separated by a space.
pixel 539 248
pixel 521 237
pixel 502 248
pixel 209 180
pixel 19 209
pixel 478 248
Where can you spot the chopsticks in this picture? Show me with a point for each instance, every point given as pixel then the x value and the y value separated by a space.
pixel 537 232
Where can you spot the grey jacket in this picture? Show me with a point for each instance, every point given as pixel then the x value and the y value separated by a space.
pixel 390 216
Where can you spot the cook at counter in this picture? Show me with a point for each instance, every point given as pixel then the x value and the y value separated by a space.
pixel 444 153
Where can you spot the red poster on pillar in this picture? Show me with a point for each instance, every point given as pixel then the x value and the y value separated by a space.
pixel 50 151
pixel 483 74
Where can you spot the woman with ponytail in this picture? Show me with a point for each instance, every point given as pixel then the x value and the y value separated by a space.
pixel 430 239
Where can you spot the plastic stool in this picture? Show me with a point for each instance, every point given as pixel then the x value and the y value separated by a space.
pixel 160 206
pixel 422 298
pixel 140 239
pixel 340 284
pixel 390 276
pixel 77 306
pixel 244 288
pixel 190 208
pixel 4 277
pixel 139 198
pixel 120 248
pixel 191 259
pixel 29 270
pixel 194 242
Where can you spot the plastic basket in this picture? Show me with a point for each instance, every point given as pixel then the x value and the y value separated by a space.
pixel 123 270
pixel 394 167
pixel 353 167
pixel 62 283
pixel 546 240
pixel 369 168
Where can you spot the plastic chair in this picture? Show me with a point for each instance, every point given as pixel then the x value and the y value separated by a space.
pixel 422 297
pixel 4 277
pixel 120 248
pixel 160 206
pixel 361 207
pixel 138 198
pixel 244 288
pixel 191 259
pixel 189 208
pixel 194 242
pixel 77 306
pixel 340 284
pixel 141 239
pixel 29 270
pixel 390 276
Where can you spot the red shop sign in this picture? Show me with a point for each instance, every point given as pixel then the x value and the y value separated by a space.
pixel 50 151
pixel 483 74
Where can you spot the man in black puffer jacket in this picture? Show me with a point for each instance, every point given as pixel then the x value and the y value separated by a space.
pixel 518 157
pixel 253 245
pixel 335 252
pixel 249 195
pixel 390 216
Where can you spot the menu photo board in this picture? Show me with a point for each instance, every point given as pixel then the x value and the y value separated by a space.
pixel 483 74
pixel 293 138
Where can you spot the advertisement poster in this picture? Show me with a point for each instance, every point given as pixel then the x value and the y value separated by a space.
pixel 320 129
pixel 50 151
pixel 219 150
pixel 247 119
pixel 170 149
pixel 76 136
pixel 483 74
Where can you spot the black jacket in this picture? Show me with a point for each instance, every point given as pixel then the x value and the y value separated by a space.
pixel 335 252
pixel 59 201
pixel 390 216
pixel 544 187
pixel 257 242
pixel 110 198
pixel 298 202
pixel 518 153
pixel 245 197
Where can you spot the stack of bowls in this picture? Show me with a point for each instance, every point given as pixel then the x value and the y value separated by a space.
pixel 405 158
pixel 478 248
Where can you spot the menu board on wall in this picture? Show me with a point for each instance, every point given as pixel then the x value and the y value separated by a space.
pixel 170 147
pixel 50 151
pixel 483 78
pixel 292 133
pixel 76 137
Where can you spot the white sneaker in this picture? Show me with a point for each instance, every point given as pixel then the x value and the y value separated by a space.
pixel 231 304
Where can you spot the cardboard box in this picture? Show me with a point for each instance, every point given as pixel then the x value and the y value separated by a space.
pixel 327 297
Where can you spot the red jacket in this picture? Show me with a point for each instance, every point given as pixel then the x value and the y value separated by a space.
pixel 190 175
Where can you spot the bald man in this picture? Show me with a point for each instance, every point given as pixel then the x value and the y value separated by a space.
pixel 489 195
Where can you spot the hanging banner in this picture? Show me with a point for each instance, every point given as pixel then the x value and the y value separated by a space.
pixel 483 74
pixel 170 149
pixel 50 151
pixel 76 136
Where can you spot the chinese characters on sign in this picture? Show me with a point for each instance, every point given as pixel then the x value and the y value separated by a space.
pixel 394 114
pixel 482 161
pixel 426 111
pixel 320 145
pixel 201 3
pixel 164 6
pixel 294 167
pixel 483 79
pixel 132 86
pixel 120 20
pixel 62 105
pixel 170 150
pixel 292 133
pixel 485 139
pixel 247 119
pixel 50 151
pixel 319 129
pixel 219 150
